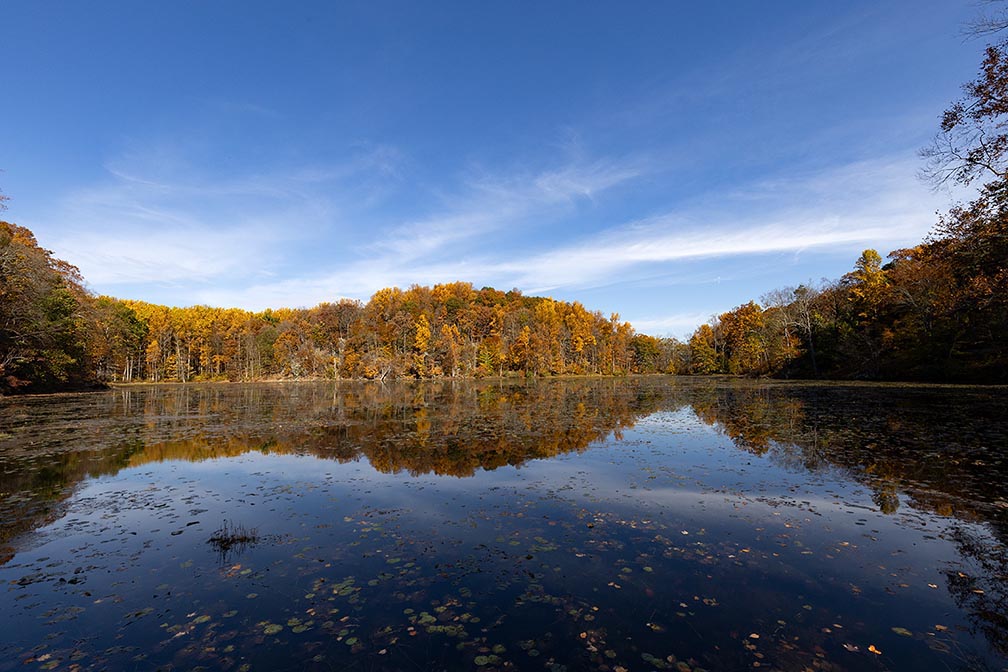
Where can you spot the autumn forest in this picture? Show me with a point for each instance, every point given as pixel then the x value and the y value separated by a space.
pixel 937 311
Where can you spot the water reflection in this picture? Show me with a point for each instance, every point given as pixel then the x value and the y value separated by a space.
pixel 441 428
pixel 924 454
pixel 940 448
pixel 943 448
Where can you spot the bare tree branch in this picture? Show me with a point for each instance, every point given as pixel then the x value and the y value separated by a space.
pixel 973 136
pixel 988 23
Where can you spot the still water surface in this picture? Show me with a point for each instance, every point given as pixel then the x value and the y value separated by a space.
pixel 638 524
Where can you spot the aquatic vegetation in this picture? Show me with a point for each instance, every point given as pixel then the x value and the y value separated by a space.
pixel 232 539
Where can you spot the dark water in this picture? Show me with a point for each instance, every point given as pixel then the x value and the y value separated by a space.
pixel 636 524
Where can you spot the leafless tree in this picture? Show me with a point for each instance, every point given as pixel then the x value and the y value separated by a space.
pixel 797 307
pixel 988 23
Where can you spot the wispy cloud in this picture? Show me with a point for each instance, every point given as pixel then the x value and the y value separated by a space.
pixel 867 204
pixel 244 240
pixel 491 203
pixel 672 238
pixel 871 204
pixel 676 324
pixel 158 219
pixel 587 180
pixel 131 232
pixel 177 257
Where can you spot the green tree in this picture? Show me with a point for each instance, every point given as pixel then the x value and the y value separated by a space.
pixel 704 358
pixel 44 325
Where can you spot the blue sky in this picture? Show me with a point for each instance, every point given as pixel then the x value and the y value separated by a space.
pixel 663 160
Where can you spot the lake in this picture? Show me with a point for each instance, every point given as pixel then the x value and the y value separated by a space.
pixel 633 524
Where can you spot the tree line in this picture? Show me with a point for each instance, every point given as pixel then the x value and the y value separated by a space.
pixel 449 330
pixel 934 312
pixel 937 311
pixel 55 335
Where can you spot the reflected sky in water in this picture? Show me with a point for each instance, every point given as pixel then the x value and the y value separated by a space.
pixel 584 524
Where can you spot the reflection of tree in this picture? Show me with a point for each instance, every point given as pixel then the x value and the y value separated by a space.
pixel 750 417
pixel 30 493
pixel 938 448
pixel 444 428
pixel 885 497
pixel 980 587
pixel 935 446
